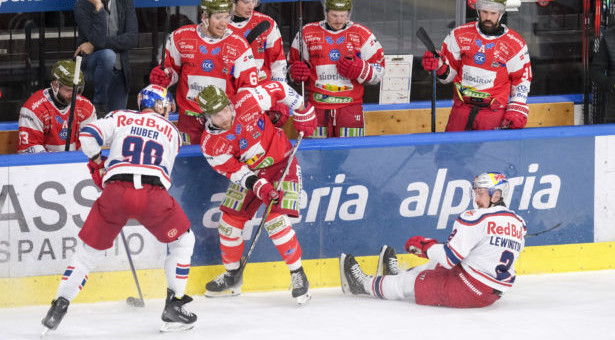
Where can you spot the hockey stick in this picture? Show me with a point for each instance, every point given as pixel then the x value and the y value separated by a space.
pixel 257 31
pixel 132 301
pixel 544 231
pixel 424 38
pixel 71 115
pixel 244 260
pixel 301 44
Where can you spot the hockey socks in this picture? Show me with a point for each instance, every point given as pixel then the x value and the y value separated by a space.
pixel 177 263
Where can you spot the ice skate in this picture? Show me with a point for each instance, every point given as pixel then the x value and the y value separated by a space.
pixel 175 317
pixel 352 276
pixel 300 286
pixel 387 262
pixel 56 313
pixel 226 284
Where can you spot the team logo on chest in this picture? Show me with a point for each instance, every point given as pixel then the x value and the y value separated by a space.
pixel 207 65
pixel 63 134
pixel 479 57
pixel 243 143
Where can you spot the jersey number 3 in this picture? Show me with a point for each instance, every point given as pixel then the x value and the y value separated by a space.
pixel 501 270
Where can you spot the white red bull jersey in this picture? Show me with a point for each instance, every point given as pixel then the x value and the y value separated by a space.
pixel 267 48
pixel 488 66
pixel 140 143
pixel 43 127
pixel 252 142
pixel 322 48
pixel 198 61
pixel 487 243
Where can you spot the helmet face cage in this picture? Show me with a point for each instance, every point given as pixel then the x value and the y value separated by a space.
pixel 155 97
pixel 492 181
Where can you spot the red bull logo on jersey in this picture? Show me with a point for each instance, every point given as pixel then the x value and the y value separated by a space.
pixel 147 122
pixel 510 229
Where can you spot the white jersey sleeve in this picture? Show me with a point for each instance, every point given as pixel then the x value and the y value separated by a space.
pixel 139 143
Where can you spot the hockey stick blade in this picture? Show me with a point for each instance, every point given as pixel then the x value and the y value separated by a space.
pixel 257 30
pixel 135 302
pixel 424 38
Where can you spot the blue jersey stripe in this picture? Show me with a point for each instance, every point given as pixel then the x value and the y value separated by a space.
pixel 94 134
pixel 451 255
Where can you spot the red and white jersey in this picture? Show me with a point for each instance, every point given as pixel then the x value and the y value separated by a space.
pixel 43 127
pixel 485 66
pixel 252 142
pixel 140 143
pixel 322 48
pixel 197 61
pixel 267 48
pixel 487 243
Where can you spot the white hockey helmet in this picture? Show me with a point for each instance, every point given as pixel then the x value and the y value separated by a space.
pixel 491 6
pixel 493 181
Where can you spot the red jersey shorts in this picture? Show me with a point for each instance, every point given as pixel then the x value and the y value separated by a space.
pixel 152 206
pixel 452 288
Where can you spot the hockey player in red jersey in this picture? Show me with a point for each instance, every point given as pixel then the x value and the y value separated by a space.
pixel 134 181
pixel 490 66
pixel 243 144
pixel 43 119
pixel 472 269
pixel 205 54
pixel 336 58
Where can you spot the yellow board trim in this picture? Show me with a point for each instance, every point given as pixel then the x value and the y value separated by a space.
pixel 270 276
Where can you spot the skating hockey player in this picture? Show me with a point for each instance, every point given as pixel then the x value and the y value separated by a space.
pixel 134 181
pixel 336 58
pixel 490 66
pixel 243 144
pixel 472 269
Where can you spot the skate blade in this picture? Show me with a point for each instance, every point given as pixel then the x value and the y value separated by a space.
pixel 380 269
pixel 344 282
pixel 176 327
pixel 45 331
pixel 303 299
pixel 224 293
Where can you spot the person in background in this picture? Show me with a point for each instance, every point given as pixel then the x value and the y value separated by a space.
pixel 205 54
pixel 43 118
pixel 336 58
pixel 602 71
pixel 472 269
pixel 490 66
pixel 108 29
pixel 134 180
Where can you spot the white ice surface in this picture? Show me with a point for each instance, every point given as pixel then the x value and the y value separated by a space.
pixel 555 306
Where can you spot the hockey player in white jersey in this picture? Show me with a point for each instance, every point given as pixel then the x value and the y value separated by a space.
pixel 472 269
pixel 134 181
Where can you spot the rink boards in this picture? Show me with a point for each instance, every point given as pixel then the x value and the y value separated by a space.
pixel 358 195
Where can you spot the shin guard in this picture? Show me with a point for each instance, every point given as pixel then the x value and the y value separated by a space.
pixel 284 238
pixel 177 263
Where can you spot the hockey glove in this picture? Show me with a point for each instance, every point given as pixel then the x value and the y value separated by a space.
pixel 354 68
pixel 278 114
pixel 305 120
pixel 515 116
pixel 160 77
pixel 299 71
pixel 418 245
pixel 266 192
pixel 433 63
pixel 97 170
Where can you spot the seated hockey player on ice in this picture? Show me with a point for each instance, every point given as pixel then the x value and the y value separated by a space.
pixel 134 181
pixel 473 269
pixel 248 146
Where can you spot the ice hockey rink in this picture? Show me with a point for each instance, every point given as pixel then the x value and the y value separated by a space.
pixel 578 305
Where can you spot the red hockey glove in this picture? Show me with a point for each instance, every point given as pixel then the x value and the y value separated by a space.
pixel 97 170
pixel 278 114
pixel 515 116
pixel 266 192
pixel 299 71
pixel 418 245
pixel 354 68
pixel 160 77
pixel 432 63
pixel 305 120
